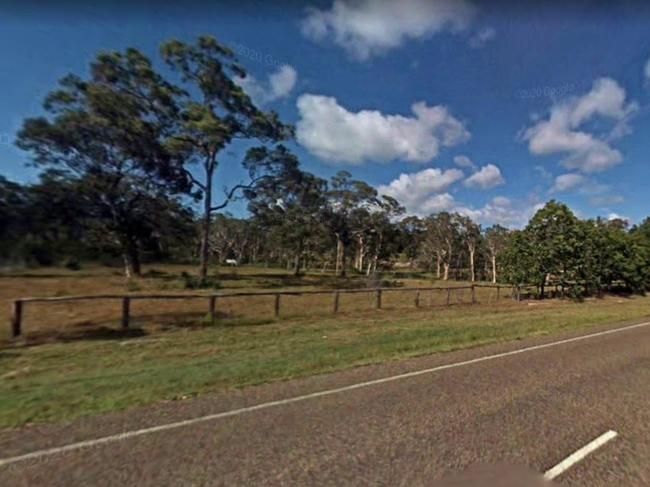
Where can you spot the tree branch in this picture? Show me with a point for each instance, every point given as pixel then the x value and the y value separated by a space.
pixel 193 179
pixel 230 194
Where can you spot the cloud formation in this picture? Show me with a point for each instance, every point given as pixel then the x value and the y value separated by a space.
pixel 499 210
pixel 426 192
pixel 487 177
pixel 503 211
pixel 606 200
pixel 585 152
pixel 334 134
pixel 279 85
pixel 565 182
pixel 420 192
pixel 466 162
pixel 369 27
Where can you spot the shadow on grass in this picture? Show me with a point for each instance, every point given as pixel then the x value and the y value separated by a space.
pixel 141 326
pixel 94 333
pixel 48 276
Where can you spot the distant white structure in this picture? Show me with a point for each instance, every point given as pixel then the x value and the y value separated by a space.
pixel 232 262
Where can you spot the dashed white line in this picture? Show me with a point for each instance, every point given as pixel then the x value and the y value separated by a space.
pixel 234 412
pixel 578 455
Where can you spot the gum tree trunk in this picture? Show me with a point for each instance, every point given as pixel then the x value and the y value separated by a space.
pixel 340 257
pixel 204 253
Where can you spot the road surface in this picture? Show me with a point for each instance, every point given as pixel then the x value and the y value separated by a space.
pixel 528 404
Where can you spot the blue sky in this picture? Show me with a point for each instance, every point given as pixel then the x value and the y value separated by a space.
pixel 547 102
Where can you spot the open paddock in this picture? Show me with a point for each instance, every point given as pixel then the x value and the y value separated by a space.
pixel 247 295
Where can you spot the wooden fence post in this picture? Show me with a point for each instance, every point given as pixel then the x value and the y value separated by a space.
pixel 126 306
pixel 498 290
pixel 448 295
pixel 213 309
pixel 417 298
pixel 378 299
pixel 473 294
pixel 16 318
pixel 336 302
pixel 276 309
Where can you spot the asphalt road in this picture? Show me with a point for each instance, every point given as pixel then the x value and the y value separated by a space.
pixel 528 410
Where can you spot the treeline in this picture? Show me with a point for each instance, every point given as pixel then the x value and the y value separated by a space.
pixel 58 222
pixel 129 156
pixel 305 223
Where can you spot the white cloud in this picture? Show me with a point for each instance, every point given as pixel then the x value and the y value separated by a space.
pixel 584 151
pixel 437 203
pixel 279 85
pixel 499 210
pixel 425 192
pixel 487 177
pixel 368 27
pixel 616 216
pixel 543 172
pixel 503 211
pixel 417 191
pixel 646 70
pixel 566 182
pixel 606 200
pixel 464 161
pixel 482 37
pixel 335 134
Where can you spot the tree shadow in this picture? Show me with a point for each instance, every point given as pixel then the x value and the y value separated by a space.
pixel 69 335
pixel 46 276
pixel 142 325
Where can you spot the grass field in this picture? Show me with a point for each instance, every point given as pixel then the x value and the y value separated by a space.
pixel 94 319
pixel 91 373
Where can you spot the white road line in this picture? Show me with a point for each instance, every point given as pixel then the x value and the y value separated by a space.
pixel 578 455
pixel 234 412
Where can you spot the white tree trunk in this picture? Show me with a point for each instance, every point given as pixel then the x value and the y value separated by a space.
pixel 361 253
pixel 127 266
pixel 472 273
pixel 340 258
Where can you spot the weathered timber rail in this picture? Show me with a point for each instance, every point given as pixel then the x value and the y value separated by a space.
pixel 18 305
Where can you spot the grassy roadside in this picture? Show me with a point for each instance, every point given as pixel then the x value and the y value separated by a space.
pixel 61 381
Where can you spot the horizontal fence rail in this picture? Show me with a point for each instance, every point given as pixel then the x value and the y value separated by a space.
pixel 18 305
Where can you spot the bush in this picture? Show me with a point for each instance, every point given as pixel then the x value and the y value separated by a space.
pixel 377 280
pixel 41 256
pixel 194 282
pixel 72 263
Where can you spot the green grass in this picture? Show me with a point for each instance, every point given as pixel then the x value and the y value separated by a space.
pixel 61 381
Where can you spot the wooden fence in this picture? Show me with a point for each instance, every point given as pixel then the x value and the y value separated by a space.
pixel 213 299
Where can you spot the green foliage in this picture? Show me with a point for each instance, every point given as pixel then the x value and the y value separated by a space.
pixel 106 134
pixel 194 282
pixel 53 222
pixel 580 257
pixel 72 263
pixel 213 111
